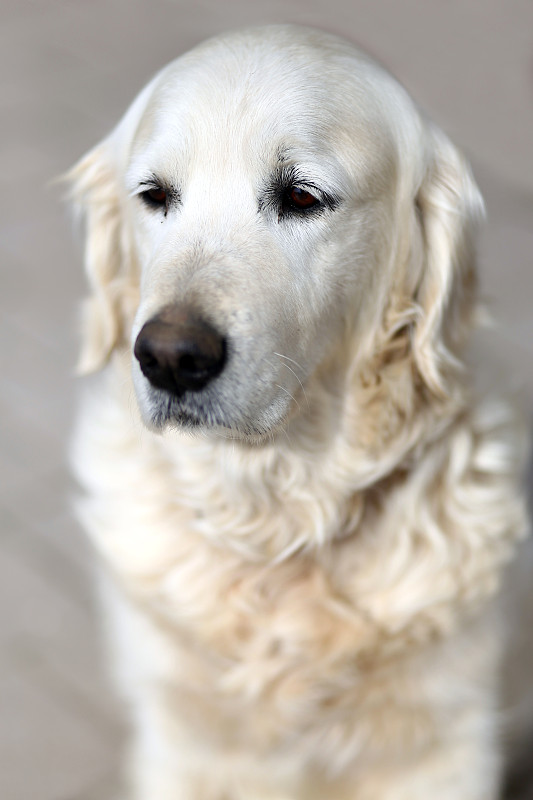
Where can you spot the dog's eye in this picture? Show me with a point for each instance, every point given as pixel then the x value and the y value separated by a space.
pixel 300 199
pixel 156 196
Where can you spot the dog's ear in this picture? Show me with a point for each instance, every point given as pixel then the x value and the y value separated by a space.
pixel 449 208
pixel 109 260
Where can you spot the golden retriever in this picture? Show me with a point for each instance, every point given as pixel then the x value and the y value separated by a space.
pixel 306 524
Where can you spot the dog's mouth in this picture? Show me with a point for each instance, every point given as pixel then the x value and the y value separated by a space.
pixel 190 375
pixel 217 409
pixel 184 410
pixel 199 413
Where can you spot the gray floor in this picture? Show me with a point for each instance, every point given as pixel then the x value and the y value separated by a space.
pixel 69 68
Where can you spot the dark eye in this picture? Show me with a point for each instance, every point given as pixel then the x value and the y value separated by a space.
pixel 299 199
pixel 156 196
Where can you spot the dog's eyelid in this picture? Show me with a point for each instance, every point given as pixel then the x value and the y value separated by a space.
pixel 296 178
pixel 146 185
pixel 155 193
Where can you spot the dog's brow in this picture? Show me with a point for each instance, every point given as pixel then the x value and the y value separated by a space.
pixel 320 170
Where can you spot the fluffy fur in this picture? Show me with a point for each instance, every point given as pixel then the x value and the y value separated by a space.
pixel 303 557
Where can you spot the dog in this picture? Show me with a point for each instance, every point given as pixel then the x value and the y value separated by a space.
pixel 303 507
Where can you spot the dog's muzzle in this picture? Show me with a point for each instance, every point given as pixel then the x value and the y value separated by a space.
pixel 179 351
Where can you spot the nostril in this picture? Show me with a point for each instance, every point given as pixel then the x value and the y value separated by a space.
pixel 199 360
pixel 149 362
pixel 143 352
pixel 189 364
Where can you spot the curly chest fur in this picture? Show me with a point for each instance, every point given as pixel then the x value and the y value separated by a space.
pixel 263 657
pixel 299 639
pixel 272 658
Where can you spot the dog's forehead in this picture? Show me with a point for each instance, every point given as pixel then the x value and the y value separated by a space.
pixel 257 94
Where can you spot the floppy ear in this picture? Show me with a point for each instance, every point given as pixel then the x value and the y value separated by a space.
pixel 449 208
pixel 109 260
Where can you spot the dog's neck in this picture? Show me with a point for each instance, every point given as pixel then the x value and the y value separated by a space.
pixel 309 485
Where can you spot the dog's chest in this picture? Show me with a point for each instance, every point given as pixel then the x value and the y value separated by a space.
pixel 282 643
pixel 258 630
pixel 250 653
pixel 256 625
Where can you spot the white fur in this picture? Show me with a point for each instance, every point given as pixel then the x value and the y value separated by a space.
pixel 301 589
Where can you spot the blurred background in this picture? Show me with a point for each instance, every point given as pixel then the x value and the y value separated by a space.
pixel 69 70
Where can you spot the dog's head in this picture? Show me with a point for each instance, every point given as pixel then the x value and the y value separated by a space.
pixel 272 208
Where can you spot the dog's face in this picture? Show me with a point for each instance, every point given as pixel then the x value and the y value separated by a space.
pixel 266 203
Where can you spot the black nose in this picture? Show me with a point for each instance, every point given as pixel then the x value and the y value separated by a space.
pixel 178 350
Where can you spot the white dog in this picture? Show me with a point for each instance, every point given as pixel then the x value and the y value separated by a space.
pixel 305 534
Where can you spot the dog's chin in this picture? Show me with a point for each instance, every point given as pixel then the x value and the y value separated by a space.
pixel 204 416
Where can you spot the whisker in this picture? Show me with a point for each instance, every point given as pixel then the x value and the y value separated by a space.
pixel 291 360
pixel 295 375
pixel 290 395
